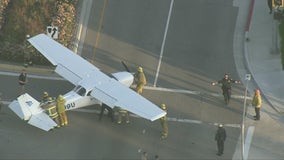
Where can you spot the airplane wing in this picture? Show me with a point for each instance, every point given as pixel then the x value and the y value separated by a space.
pixel 28 109
pixel 115 94
pixel 79 71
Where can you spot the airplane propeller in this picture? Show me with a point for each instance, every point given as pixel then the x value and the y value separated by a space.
pixel 125 66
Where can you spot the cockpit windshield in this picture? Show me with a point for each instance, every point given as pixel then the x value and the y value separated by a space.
pixel 80 90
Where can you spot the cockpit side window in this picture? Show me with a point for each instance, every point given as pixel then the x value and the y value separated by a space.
pixel 80 90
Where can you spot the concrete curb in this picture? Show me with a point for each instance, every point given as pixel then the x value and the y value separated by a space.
pixel 246 43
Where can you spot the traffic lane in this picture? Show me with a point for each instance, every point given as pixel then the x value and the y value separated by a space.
pixel 201 107
pixel 200 42
pixel 92 28
pixel 131 34
pixel 86 138
pixel 10 88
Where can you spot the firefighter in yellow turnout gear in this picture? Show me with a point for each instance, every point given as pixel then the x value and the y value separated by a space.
pixel 44 97
pixel 140 80
pixel 164 133
pixel 52 110
pixel 61 110
pixel 122 113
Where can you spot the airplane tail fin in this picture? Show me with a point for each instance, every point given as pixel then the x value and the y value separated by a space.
pixel 28 109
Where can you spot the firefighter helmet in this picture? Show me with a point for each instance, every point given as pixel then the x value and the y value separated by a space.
pixel 60 97
pixel 140 69
pixel 163 106
pixel 49 99
pixel 45 94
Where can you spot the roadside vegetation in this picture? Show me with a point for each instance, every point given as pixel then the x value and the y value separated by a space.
pixel 19 18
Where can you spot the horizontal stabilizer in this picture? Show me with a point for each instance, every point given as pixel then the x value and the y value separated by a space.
pixel 25 106
pixel 42 121
pixel 20 112
pixel 28 109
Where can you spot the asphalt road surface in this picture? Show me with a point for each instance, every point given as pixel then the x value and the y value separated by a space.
pixel 193 46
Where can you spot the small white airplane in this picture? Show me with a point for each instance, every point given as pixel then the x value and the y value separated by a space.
pixel 92 87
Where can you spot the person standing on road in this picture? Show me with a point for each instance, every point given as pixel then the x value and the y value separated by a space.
pixel 144 156
pixel 62 111
pixel 257 102
pixel 226 87
pixel 22 81
pixel 122 113
pixel 44 97
pixel 164 133
pixel 52 111
pixel 220 137
pixel 140 80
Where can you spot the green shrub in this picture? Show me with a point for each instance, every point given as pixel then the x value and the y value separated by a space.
pixel 31 17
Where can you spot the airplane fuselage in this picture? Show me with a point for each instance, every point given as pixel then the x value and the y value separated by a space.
pixel 79 97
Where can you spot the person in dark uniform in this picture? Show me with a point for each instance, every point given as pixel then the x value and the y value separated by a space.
pixel 226 86
pixel 110 112
pixel 220 137
pixel 22 81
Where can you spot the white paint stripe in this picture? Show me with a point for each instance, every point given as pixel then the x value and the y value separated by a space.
pixel 183 91
pixel 163 43
pixel 190 92
pixel 248 141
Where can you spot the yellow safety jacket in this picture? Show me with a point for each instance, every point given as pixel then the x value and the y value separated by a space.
pixel 140 78
pixel 256 101
pixel 163 119
pixel 52 112
pixel 60 105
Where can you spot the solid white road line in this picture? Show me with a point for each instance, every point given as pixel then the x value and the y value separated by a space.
pixel 183 91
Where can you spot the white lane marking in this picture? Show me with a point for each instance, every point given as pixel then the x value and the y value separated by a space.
pixel 183 91
pixel 190 92
pixel 133 86
pixel 164 41
pixel 248 141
